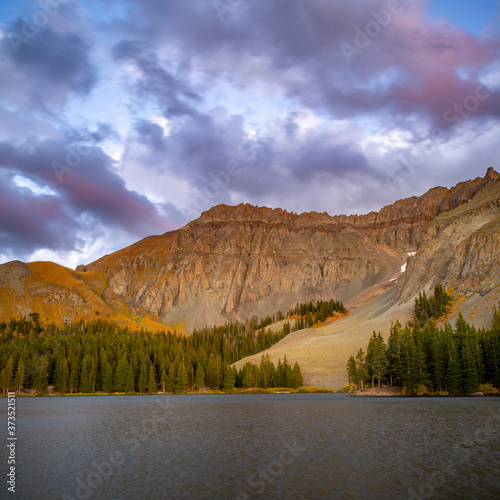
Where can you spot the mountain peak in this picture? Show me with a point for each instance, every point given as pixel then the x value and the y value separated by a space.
pixel 254 213
pixel 492 174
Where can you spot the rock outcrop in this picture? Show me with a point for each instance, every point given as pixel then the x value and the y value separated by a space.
pixel 461 248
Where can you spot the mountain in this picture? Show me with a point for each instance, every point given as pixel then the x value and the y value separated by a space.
pixel 236 262
pixel 60 294
pixel 461 247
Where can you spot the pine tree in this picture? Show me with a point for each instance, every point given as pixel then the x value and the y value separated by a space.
pixel 280 376
pixel 130 385
pixel 248 375
pixel 376 358
pixel 20 376
pixel 469 366
pixel 229 379
pixel 181 383
pixel 395 354
pixel 8 376
pixel 298 380
pixel 171 377
pixel 163 379
pixel 107 382
pixel 200 378
pixel 74 368
pixel 122 375
pixel 190 376
pixel 142 383
pixel 289 382
pixel 263 375
pixel 352 372
pixel 362 372
pixel 61 374
pixel 87 376
pixel 42 375
pixel 152 387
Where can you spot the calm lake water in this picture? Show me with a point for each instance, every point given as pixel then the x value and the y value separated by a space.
pixel 256 446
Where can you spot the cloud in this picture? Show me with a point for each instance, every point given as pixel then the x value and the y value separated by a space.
pixel 256 103
pixel 87 191
pixel 59 59
pixel 296 46
pixel 29 221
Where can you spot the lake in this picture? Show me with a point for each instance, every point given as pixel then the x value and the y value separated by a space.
pixel 302 446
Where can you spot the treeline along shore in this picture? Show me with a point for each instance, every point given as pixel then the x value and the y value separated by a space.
pixel 424 359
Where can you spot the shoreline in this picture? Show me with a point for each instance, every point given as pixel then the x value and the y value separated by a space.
pixel 255 390
pixel 397 392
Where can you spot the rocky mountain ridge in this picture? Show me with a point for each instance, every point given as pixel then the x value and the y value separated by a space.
pixel 234 262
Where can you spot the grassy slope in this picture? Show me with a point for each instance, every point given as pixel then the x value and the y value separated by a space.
pixel 60 294
pixel 323 352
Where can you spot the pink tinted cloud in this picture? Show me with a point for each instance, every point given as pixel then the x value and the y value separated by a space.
pixel 112 202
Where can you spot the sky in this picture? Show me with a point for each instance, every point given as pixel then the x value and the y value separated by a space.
pixel 125 118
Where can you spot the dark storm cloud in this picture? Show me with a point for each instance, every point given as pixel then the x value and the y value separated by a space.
pixel 150 135
pixel 300 46
pixel 85 187
pixel 52 58
pixel 208 150
pixel 174 96
pixel 29 222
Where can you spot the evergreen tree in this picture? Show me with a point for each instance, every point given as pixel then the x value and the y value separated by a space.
pixel 352 372
pixel 143 376
pixel 20 376
pixel 298 380
pixel 42 375
pixel 190 376
pixel 229 379
pixel 376 358
pixel 107 374
pixel 163 378
pixel 8 376
pixel 394 352
pixel 61 374
pixel 171 377
pixel 74 369
pixel 280 375
pixel 87 376
pixel 200 378
pixel 181 383
pixel 469 366
pixel 122 375
pixel 248 375
pixel 130 386
pixel 152 387
pixel 362 372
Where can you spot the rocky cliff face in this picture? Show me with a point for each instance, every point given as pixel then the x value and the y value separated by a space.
pixel 461 248
pixel 234 262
